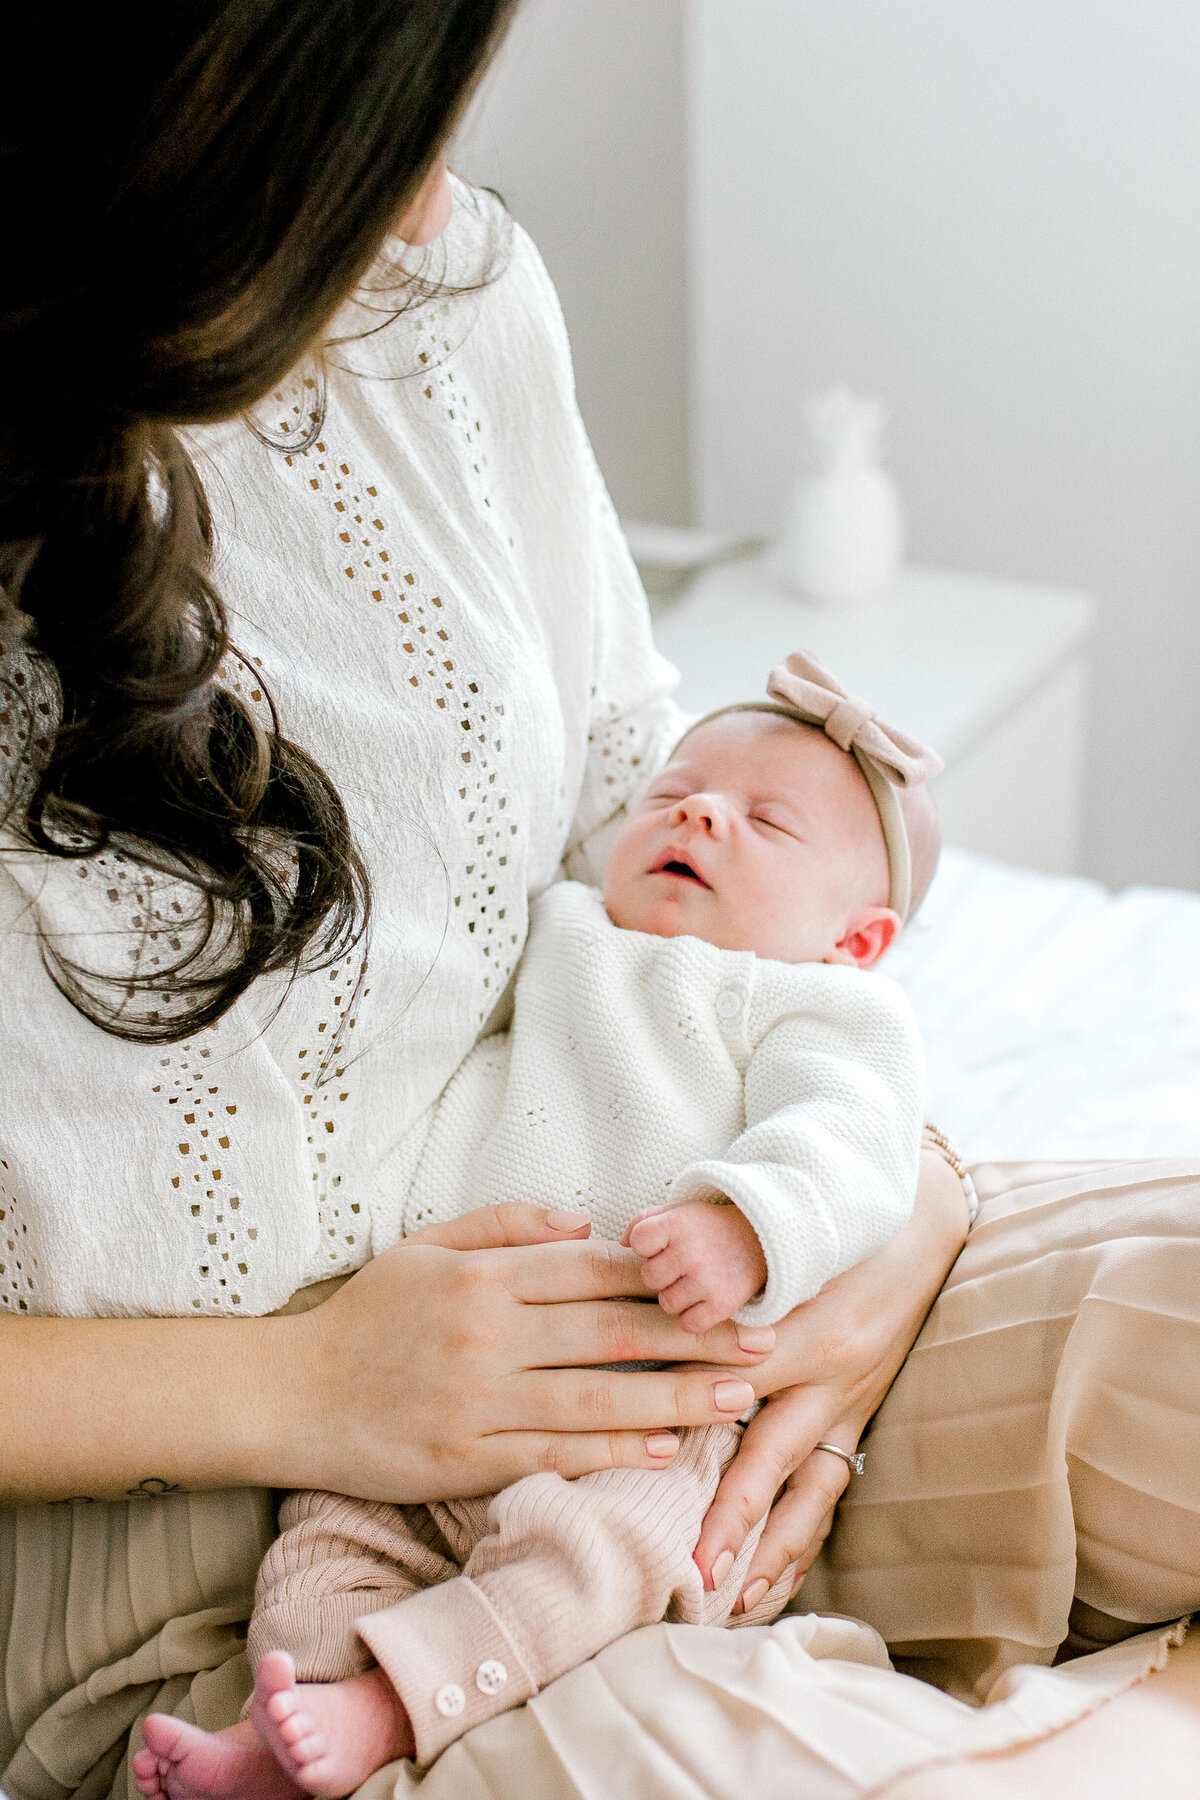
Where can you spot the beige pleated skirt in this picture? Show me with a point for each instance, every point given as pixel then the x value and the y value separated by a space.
pixel 1033 1481
pixel 1034 1475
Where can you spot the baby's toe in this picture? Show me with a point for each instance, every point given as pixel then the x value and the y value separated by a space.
pixel 309 1752
pixel 145 1774
pixel 296 1728
pixel 281 1707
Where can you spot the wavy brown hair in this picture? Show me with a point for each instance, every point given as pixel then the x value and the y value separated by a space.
pixel 190 190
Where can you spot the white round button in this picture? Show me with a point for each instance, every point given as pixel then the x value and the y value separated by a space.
pixel 490 1676
pixel 729 1003
pixel 450 1700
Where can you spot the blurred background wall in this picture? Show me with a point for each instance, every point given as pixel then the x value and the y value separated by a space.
pixel 580 125
pixel 987 211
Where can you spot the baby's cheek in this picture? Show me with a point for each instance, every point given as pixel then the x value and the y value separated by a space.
pixel 619 871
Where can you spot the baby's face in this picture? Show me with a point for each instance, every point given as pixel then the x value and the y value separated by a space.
pixel 762 835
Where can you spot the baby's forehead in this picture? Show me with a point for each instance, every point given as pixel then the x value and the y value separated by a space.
pixel 766 754
pixel 766 741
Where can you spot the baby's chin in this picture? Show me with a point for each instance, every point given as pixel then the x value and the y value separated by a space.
pixel 657 915
pixel 680 915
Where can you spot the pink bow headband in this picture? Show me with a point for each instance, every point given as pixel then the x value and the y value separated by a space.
pixel 802 688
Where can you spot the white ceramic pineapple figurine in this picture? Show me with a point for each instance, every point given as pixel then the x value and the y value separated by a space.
pixel 844 539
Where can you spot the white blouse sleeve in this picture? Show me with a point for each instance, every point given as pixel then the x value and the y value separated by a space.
pixel 633 721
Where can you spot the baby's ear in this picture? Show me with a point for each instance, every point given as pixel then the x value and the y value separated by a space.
pixel 867 936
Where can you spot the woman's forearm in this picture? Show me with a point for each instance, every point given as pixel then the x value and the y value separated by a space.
pixel 428 1374
pixel 919 1260
pixel 104 1408
pixel 872 1313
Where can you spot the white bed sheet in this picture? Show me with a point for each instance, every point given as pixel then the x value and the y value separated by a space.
pixel 1059 1019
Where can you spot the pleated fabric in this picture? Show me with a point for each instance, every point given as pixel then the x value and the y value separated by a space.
pixel 1033 1479
pixel 808 1709
pixel 109 1611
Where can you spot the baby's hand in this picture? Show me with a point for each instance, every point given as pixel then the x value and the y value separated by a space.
pixel 703 1261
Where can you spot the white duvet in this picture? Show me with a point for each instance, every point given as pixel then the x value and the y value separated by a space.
pixel 1060 1020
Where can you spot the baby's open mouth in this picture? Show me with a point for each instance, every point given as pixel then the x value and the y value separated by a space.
pixel 684 870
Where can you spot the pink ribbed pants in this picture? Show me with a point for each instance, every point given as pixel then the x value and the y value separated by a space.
pixel 471 1606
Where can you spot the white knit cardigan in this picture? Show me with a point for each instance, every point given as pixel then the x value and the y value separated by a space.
pixel 436 593
pixel 644 1071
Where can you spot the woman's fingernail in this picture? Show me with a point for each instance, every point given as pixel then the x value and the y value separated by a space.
pixel 754 1338
pixel 661 1444
pixel 753 1592
pixel 565 1221
pixel 733 1396
pixel 721 1567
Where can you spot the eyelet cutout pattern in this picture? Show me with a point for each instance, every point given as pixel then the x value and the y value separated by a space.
pixel 291 418
pixel 616 749
pixel 623 753
pixel 441 387
pixel 27 719
pixel 202 1117
pixel 321 1072
pixel 18 1264
pixel 141 921
pixel 475 731
pixel 321 1069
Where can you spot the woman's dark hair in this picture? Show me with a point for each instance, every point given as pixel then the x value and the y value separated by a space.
pixel 190 190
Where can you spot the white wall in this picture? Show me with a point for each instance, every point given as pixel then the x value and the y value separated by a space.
pixel 989 212
pixel 986 210
pixel 579 125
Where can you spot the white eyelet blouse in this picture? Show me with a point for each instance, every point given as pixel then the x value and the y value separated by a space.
pixel 435 591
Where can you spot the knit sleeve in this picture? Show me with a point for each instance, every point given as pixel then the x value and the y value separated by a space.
pixel 826 1167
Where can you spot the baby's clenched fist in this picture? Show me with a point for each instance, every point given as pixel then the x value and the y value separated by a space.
pixel 702 1259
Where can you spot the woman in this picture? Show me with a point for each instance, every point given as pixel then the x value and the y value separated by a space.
pixel 425 578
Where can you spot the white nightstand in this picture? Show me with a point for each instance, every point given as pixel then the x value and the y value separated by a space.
pixel 993 673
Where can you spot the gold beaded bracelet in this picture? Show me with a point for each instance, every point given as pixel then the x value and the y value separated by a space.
pixel 935 1139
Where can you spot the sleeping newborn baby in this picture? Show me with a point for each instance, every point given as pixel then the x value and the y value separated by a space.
pixel 700 1062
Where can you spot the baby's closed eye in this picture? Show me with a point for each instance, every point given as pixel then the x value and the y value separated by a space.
pixel 777 821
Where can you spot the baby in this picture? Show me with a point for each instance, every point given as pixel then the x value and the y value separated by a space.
pixel 699 1062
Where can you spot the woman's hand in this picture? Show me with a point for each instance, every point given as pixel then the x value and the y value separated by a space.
pixel 459 1360
pixel 835 1360
pixel 449 1365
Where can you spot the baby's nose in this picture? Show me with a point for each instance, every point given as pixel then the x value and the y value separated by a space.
pixel 703 810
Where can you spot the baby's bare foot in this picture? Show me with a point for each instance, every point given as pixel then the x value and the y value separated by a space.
pixel 181 1762
pixel 328 1736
